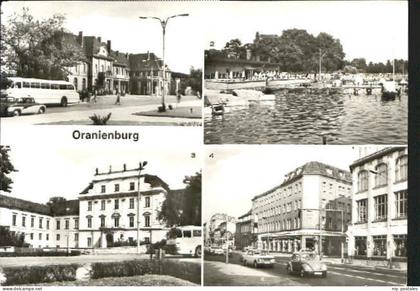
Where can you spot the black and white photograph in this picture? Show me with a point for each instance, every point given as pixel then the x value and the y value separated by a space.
pixel 87 216
pixel 101 63
pixel 305 216
pixel 307 72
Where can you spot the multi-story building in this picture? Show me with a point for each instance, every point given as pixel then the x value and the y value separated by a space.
pixel 297 214
pixel 146 74
pixel 379 201
pixel 244 235
pixel 104 213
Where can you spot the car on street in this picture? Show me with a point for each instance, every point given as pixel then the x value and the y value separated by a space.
pixel 306 264
pixel 10 106
pixel 257 258
pixel 217 251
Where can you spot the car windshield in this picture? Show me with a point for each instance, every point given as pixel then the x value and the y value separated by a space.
pixel 310 257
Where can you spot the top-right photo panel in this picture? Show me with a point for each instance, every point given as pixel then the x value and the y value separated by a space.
pixel 315 72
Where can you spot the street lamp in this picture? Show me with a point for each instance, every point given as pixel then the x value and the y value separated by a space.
pixel 163 23
pixel 321 55
pixel 141 167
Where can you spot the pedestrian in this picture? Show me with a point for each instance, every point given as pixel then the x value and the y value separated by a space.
pixel 117 102
pixel 95 92
pixel 178 97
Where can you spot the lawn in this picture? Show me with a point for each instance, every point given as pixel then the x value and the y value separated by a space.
pixel 144 280
pixel 180 112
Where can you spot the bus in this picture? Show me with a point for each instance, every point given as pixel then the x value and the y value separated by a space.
pixel 43 91
pixel 187 239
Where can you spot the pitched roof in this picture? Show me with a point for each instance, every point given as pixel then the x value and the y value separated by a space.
pixel 23 205
pixel 144 62
pixel 65 208
pixel 119 58
pixel 376 155
pixel 312 168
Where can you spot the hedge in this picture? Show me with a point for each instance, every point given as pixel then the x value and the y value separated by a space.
pixel 39 274
pixel 123 269
pixel 41 254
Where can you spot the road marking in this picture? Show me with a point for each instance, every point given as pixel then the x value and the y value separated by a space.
pixel 365 278
pixel 370 272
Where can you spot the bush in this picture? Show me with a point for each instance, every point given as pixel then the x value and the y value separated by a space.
pixel 100 120
pixel 40 253
pixel 124 269
pixel 39 274
pixel 161 109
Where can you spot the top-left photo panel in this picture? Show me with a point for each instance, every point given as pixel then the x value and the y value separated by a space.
pixel 101 63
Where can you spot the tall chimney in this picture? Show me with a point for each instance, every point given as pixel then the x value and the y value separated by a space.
pixel 99 39
pixel 96 171
pixel 110 169
pixel 125 168
pixel 80 38
pixel 108 46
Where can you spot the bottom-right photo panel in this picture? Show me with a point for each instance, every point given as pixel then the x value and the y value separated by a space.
pixel 279 215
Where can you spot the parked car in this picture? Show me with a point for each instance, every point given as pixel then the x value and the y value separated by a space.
pixel 257 258
pixel 306 263
pixel 17 106
pixel 217 251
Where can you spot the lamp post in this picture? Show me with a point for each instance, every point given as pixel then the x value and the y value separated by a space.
pixel 321 55
pixel 163 23
pixel 141 167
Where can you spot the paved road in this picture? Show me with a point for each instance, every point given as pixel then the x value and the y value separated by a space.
pixel 216 272
pixel 82 259
pixel 121 114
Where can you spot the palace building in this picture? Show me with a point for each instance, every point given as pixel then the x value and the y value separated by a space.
pixel 104 213
pixel 310 206
pixel 379 202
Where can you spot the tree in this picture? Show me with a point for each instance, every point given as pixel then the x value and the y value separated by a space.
pixel 360 64
pixel 194 80
pixel 6 167
pixel 234 49
pixel 183 208
pixel 11 238
pixel 334 55
pixel 38 48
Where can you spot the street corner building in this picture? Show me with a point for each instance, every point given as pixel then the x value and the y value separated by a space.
pixel 311 205
pixel 104 214
pixel 379 201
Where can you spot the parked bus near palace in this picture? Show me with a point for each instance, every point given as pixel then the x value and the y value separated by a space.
pixel 188 240
pixel 43 91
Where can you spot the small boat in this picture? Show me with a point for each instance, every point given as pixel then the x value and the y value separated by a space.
pixel 389 90
pixel 218 109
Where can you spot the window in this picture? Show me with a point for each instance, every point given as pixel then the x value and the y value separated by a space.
pixel 76 237
pixel 89 222
pixel 381 207
pixel 116 204
pixel 401 204
pixel 40 236
pixel 147 240
pixel 48 224
pixel 187 233
pixel 58 237
pixel 32 236
pixel 400 242
pixel 131 186
pixel 147 202
pixel 116 187
pixel 58 224
pixel 381 176
pixel 197 233
pixel 401 169
pixel 131 203
pixel 362 210
pixel 23 221
pixel 89 206
pixel 131 218
pixel 76 223
pixel 14 219
pixel 147 220
pixel 362 181
pixel 35 85
pixel 67 224
pixel 379 245
pixel 32 221
pixel 102 221
pixel 103 203
pixel 40 222
pixel 103 189
pixel 89 242
pixel 26 85
pixel 116 221
pixel 360 245
pixel 47 236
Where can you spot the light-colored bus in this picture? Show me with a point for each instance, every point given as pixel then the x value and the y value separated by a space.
pixel 187 239
pixel 43 91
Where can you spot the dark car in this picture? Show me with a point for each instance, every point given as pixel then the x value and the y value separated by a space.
pixel 306 263
pixel 10 106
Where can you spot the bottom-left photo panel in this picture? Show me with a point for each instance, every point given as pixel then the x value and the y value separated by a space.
pixel 108 216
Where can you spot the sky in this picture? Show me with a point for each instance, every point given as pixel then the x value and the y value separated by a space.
pixel 234 174
pixel 47 169
pixel 120 23
pixel 375 30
